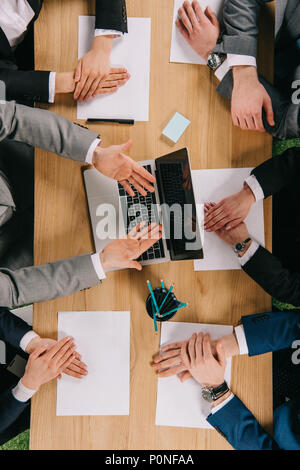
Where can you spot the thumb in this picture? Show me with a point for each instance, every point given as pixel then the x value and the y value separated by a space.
pixel 78 72
pixel 125 147
pixel 185 376
pixel 269 110
pixel 221 353
pixel 212 16
pixel 135 265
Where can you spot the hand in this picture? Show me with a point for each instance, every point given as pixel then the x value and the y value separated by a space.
pixel 93 68
pixel 235 235
pixel 229 212
pixel 116 78
pixel 200 29
pixel 249 98
pixel 44 365
pixel 76 369
pixel 123 253
pixel 112 162
pixel 205 368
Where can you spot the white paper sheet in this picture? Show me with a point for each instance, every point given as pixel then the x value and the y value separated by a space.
pixel 103 340
pixel 132 51
pixel 181 404
pixel 181 51
pixel 214 185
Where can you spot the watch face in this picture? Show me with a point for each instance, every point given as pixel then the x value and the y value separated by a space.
pixel 239 246
pixel 207 395
pixel 214 61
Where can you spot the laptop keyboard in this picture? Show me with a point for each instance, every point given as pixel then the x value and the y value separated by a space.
pixel 140 208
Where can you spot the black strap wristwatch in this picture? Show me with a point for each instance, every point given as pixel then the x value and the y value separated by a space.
pixel 213 394
pixel 241 246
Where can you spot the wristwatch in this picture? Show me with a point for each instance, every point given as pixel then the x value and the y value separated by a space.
pixel 241 246
pixel 215 60
pixel 213 394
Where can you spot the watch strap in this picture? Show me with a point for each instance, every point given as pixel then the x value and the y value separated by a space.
pixel 219 391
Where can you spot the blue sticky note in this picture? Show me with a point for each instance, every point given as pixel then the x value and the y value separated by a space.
pixel 176 127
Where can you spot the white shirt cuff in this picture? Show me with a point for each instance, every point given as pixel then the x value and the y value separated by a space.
pixel 222 70
pixel 98 266
pixel 22 393
pixel 241 339
pixel 249 253
pixel 52 76
pixel 107 32
pixel 26 339
pixel 237 59
pixel 255 187
pixel 89 156
pixel 218 407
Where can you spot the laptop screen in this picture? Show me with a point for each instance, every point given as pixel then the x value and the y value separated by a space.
pixel 178 207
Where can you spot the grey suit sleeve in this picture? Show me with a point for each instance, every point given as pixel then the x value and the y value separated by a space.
pixel 45 130
pixel 241 27
pixel 46 282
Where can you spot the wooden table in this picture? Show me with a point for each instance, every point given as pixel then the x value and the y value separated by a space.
pixel 62 229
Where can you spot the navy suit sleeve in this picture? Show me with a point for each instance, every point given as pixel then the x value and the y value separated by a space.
pixel 111 14
pixel 241 429
pixel 266 332
pixel 24 85
pixel 12 328
pixel 10 409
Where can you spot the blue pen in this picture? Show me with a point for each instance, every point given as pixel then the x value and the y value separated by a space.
pixel 174 310
pixel 154 316
pixel 161 305
pixel 153 297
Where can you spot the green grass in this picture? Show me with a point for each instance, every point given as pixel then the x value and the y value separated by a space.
pixel 20 442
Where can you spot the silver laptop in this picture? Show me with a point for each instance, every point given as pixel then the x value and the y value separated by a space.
pixel 113 212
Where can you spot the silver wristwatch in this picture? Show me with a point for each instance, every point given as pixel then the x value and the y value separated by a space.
pixel 241 246
pixel 213 394
pixel 215 60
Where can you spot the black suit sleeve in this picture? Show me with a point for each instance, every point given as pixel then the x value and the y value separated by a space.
pixel 282 284
pixel 12 328
pixel 10 409
pixel 24 85
pixel 111 14
pixel 278 172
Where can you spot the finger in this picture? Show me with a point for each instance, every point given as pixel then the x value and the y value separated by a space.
pixel 78 71
pixel 172 346
pixel 59 345
pixel 117 70
pixel 199 347
pixel 185 20
pixel 185 376
pixel 127 187
pixel 215 212
pixel 38 351
pixel 75 369
pixel 220 224
pixel 62 358
pixel 211 16
pixel 125 147
pixel 166 355
pixel 221 354
pixel 258 122
pixel 134 232
pixel 89 82
pixel 173 361
pixel 104 91
pixel 113 83
pixel 146 244
pixel 79 86
pixel 235 120
pixel 182 29
pixel 250 123
pixel 191 348
pixel 135 265
pixel 140 170
pixel 199 12
pixel 93 89
pixel 147 232
pixel 184 355
pixel 267 104
pixel 137 186
pixel 191 14
pixel 171 371
pixel 66 364
pixel 143 182
pixel 207 352
pixel 233 223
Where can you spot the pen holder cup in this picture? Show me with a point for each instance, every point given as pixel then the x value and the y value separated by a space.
pixel 169 304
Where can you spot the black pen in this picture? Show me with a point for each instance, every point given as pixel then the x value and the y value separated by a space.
pixel 118 121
